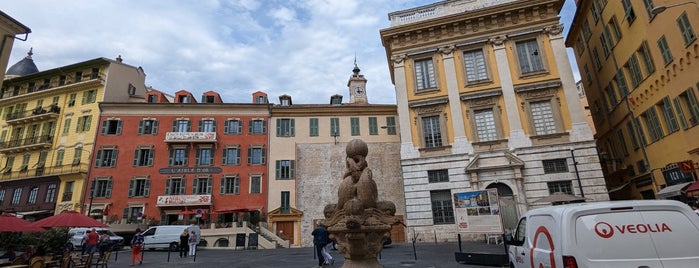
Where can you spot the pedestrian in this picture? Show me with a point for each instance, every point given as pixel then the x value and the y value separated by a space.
pixel 184 243
pixel 193 243
pixel 92 240
pixel 83 245
pixel 104 243
pixel 136 247
pixel 326 252
pixel 320 237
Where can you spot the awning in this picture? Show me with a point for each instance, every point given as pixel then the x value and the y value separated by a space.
pixel 671 191
pixel 693 190
pixel 27 213
pixel 618 188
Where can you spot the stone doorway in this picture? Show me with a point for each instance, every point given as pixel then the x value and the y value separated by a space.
pixel 508 206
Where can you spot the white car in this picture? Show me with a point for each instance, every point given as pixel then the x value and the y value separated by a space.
pixel 75 237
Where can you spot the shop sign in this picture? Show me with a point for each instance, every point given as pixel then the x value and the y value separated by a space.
pixel 183 200
pixel 188 170
pixel 673 175
pixel 687 166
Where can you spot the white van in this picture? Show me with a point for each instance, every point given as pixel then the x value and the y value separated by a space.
pixel 75 237
pixel 167 236
pixel 641 233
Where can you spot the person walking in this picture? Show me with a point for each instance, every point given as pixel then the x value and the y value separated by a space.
pixel 320 237
pixel 193 243
pixel 92 240
pixel 136 247
pixel 326 252
pixel 184 243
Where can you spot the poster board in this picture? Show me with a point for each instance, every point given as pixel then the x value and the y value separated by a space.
pixel 478 212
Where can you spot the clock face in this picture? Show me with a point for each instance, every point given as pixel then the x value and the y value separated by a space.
pixel 359 91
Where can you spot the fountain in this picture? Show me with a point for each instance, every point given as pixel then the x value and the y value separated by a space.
pixel 359 223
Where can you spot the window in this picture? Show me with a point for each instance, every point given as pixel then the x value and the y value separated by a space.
pixel 33 193
pixel 629 14
pixel 655 130
pixel 61 80
pixel 431 131
pixel 476 69
pixel 686 29
pixel 50 194
pixel 255 184
pixel 231 155
pixel 143 157
pixel 230 184
pixel 595 57
pixel 178 156
pixel 665 50
pixel 649 7
pixel 8 164
pixel 181 125
pixel 152 98
pixel 284 169
pixel 611 95
pixel 285 127
pixel 555 165
pixel 641 135
pixel 442 210
pixel 313 127
pixel 66 126
pixel 84 123
pixel 334 127
pixel 71 99
pixel 78 77
pixel 622 142
pixel 25 162
pixel 68 192
pixel 285 206
pixel 647 60
pixel 612 31
pixel 586 30
pixel 579 45
pixel 111 127
pixel 103 188
pixel 621 83
pixel 354 126
pixel 256 155
pixel 257 126
pixel 148 127
pixel 486 129
pixel 261 99
pixel 77 155
pixel 588 76
pixel 424 74
pixel 641 166
pixel 529 56
pixel 204 156
pixel 669 115
pixel 233 126
pixel 208 99
pixel 391 125
pixel 175 186
pixel 131 89
pixel 16 196
pixel 687 101
pixel 106 157
pixel 207 125
pixel 139 187
pixel 634 69
pixel 593 11
pixel 560 187
pixel 131 214
pixel 632 134
pixel 606 48
pixel 373 126
pixel 543 118
pixel 202 185
pixel 440 175
pixel 60 153
pixel 89 96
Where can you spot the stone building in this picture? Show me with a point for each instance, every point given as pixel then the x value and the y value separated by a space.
pixel 487 100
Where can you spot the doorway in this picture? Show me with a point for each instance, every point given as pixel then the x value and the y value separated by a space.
pixel 285 230
pixel 508 206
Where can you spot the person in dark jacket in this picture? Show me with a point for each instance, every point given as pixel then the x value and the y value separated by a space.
pixel 320 239
pixel 184 243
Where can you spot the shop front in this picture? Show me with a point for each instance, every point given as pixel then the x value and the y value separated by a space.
pixel 185 209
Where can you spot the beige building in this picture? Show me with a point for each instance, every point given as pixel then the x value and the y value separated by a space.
pixel 48 125
pixel 639 60
pixel 10 29
pixel 487 100
pixel 307 158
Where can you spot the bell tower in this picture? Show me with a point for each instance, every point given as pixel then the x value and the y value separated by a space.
pixel 357 86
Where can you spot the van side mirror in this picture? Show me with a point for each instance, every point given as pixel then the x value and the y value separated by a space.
pixel 510 241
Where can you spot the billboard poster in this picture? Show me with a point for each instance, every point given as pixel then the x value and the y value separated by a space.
pixel 478 212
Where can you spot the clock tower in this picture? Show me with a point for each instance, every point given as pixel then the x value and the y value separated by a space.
pixel 357 86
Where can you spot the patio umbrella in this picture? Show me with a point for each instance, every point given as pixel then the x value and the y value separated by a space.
pixel 10 223
pixel 559 197
pixel 69 218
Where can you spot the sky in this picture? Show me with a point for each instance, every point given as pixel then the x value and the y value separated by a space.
pixel 302 48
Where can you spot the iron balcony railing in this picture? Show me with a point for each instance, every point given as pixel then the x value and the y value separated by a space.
pixel 50 111
pixel 39 171
pixel 26 144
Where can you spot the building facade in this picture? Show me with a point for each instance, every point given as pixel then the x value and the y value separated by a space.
pixel 307 158
pixel 487 100
pixel 173 160
pixel 10 29
pixel 638 68
pixel 47 131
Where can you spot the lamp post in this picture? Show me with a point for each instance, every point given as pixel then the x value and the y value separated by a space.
pixel 659 9
pixel 577 174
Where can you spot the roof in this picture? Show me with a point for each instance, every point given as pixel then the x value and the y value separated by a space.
pixel 22 29
pixel 23 67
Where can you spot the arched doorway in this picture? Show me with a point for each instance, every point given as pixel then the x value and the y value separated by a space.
pixel 508 206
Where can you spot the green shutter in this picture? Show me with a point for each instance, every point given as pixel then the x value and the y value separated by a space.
pixel 680 113
pixel 112 162
pixel 250 126
pixel 200 127
pixel 222 184
pixel 279 127
pixel 277 168
pixel 140 127
pixel 292 164
pixel 146 189
pixel 104 127
pixel 293 126
pixel 119 126
pixel 131 187
pixel 209 185
pixel 168 183
pixel 224 156
pixel 194 185
pixel 174 125
pixel 249 156
pixel 98 159
pixel 197 156
pixel 126 213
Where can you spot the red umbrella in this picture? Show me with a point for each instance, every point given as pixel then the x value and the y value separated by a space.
pixel 69 218
pixel 10 223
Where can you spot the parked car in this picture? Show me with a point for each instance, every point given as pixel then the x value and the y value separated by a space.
pixel 640 233
pixel 75 237
pixel 167 236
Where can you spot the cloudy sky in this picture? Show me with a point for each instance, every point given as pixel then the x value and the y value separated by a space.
pixel 303 48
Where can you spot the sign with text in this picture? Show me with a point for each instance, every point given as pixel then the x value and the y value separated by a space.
pixel 674 175
pixel 478 212
pixel 190 170
pixel 183 200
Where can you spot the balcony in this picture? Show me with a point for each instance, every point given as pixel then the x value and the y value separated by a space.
pixel 41 171
pixel 190 137
pixel 439 9
pixel 35 115
pixel 83 82
pixel 25 145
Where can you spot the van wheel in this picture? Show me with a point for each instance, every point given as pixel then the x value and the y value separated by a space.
pixel 174 247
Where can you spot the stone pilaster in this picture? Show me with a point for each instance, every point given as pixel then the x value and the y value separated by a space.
pixel 460 143
pixel 407 150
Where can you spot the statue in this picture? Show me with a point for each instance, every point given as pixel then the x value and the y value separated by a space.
pixel 359 223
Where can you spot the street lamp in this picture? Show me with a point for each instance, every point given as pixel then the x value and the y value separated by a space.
pixel 659 9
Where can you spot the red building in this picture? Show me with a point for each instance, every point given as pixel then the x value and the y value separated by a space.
pixel 173 159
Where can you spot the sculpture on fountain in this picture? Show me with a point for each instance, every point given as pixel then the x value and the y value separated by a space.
pixel 359 223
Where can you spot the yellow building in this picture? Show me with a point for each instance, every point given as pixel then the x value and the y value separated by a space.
pixel 10 29
pixel 307 158
pixel 48 123
pixel 639 69
pixel 487 100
